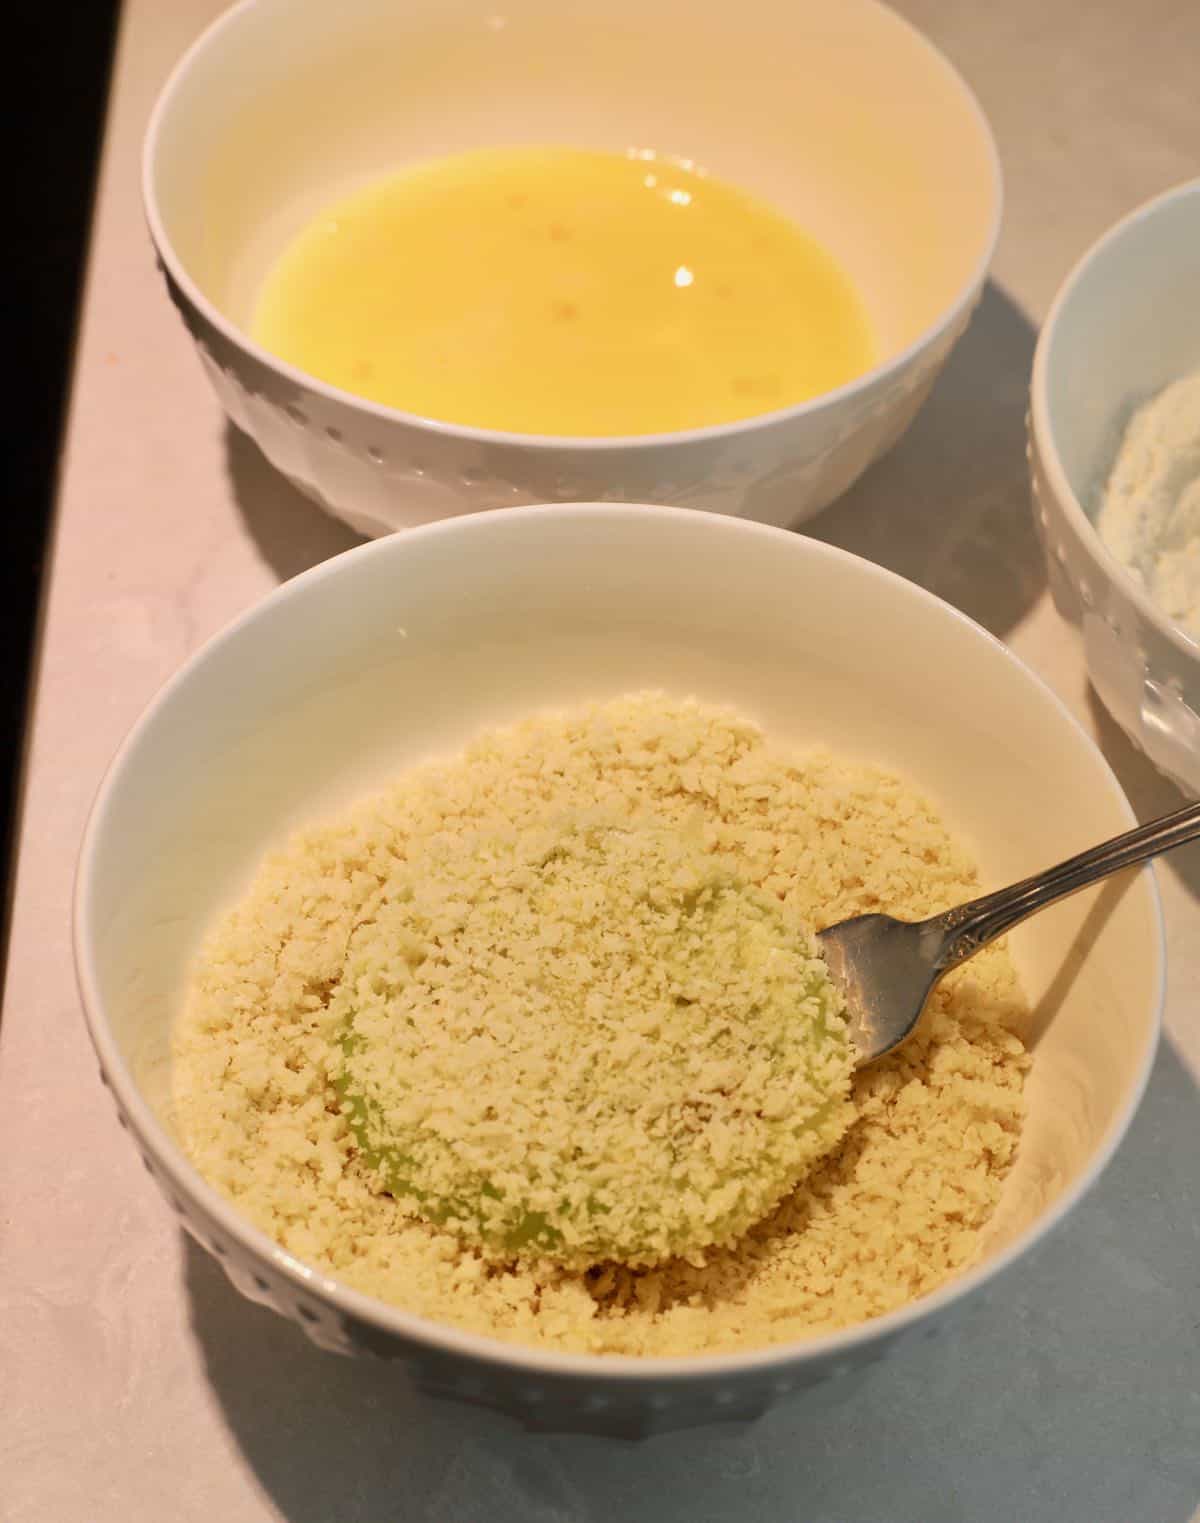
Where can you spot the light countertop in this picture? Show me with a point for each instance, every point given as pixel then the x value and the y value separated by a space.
pixel 137 1387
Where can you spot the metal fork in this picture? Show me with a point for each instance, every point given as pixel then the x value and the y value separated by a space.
pixel 887 968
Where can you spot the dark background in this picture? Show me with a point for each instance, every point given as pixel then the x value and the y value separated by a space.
pixel 56 87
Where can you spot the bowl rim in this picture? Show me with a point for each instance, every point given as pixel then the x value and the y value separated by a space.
pixel 1042 428
pixel 500 1355
pixel 877 375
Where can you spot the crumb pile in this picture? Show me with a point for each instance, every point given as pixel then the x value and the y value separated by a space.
pixel 588 1040
pixel 890 1214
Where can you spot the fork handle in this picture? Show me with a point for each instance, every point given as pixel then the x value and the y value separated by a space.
pixel 968 927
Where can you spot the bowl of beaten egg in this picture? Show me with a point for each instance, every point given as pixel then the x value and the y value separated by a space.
pixel 346 857
pixel 438 258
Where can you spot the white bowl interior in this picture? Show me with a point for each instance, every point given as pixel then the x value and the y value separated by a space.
pixel 841 115
pixel 406 647
pixel 1128 324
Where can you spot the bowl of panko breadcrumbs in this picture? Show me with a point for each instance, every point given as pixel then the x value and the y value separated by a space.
pixel 445 930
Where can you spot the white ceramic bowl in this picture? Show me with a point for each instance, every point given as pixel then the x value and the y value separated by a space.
pixel 407 646
pixel 841 115
pixel 1125 324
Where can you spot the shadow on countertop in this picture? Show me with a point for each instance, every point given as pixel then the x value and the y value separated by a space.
pixel 1068 1394
pixel 289 530
pixel 949 507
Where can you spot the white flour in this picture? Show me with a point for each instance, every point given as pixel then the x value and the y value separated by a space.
pixel 1149 514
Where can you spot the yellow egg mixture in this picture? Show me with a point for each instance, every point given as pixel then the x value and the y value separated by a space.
pixel 563 291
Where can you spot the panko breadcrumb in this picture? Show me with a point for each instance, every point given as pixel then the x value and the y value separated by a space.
pixel 887 1217
pixel 588 1040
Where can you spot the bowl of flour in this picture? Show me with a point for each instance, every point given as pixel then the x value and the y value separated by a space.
pixel 1148 512
pixel 1115 459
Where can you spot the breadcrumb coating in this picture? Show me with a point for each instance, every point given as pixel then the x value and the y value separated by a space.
pixel 260 1067
pixel 589 1040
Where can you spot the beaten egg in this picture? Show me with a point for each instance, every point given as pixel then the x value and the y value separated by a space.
pixel 564 291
